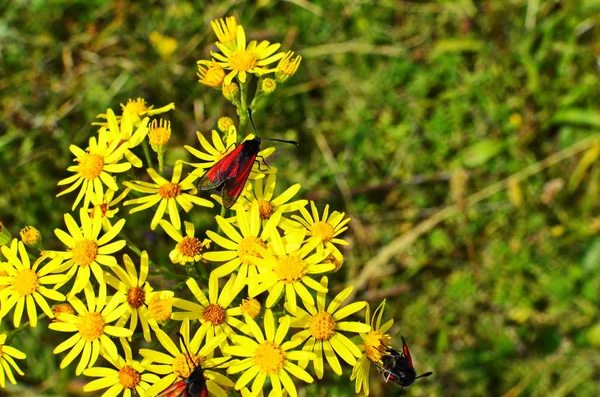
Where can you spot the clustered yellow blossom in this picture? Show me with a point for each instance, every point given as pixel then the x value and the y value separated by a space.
pixel 261 271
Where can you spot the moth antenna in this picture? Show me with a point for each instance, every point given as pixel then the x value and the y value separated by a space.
pixel 251 121
pixel 426 374
pixel 186 350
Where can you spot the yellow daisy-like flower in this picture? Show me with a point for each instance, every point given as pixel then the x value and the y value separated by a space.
pixel 226 30
pixel 210 73
pixel 87 250
pixel 267 355
pixel 128 377
pixel 263 194
pixel 242 59
pixel 288 268
pixel 136 289
pixel 287 66
pixel 7 356
pixel 322 330
pixel 175 365
pixel 374 343
pixel 124 134
pixel 25 285
pixel 239 245
pixel 160 307
pixel 324 229
pixel 167 195
pixel 188 248
pixel 159 135
pixel 138 109
pixel 94 169
pixel 106 206
pixel 91 327
pixel 214 313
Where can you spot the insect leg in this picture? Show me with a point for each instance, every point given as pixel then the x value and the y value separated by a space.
pixel 259 164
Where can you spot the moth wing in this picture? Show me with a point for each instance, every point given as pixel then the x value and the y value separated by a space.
pixel 223 170
pixel 233 187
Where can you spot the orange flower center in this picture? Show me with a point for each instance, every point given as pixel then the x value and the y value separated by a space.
pixel 246 248
pixel 265 209
pixel 242 60
pixel 91 326
pixel 269 358
pixel 129 378
pixel 136 297
pixel 169 190
pixel 214 314
pixel 90 166
pixel 322 230
pixel 289 269
pixel 190 247
pixel 322 326
pixel 61 308
pixel 84 252
pixel 25 282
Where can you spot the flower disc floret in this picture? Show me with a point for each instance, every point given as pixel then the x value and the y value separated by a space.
pixel 269 357
pixel 323 231
pixel 91 166
pixel 322 326
pixel 136 297
pixel 290 269
pixel 169 190
pixel 91 326
pixel 26 282
pixel 129 378
pixel 246 247
pixel 265 209
pixel 214 314
pixel 84 252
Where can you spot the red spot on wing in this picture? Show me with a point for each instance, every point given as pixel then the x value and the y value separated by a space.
pixel 203 393
pixel 407 353
pixel 234 186
pixel 177 389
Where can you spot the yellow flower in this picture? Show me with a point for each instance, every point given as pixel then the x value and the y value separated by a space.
pixel 25 285
pixel 7 353
pixel 86 250
pixel 210 73
pixel 160 307
pixel 374 346
pixel 242 59
pixel 226 30
pixel 136 289
pixel 105 205
pixel 164 45
pixel 91 327
pixel 159 134
pixel 128 377
pixel 168 194
pixel 324 229
pixel 31 237
pixel 188 248
pixel 268 86
pixel 95 168
pixel 224 123
pixel 263 194
pixel 287 67
pixel 267 355
pixel 322 330
pixel 240 245
pixel 214 313
pixel 250 307
pixel 175 365
pixel 288 268
pixel 230 92
pixel 138 108
pixel 124 134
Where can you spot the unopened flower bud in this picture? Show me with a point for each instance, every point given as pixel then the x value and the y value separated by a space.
pixel 31 237
pixel 231 91
pixel 268 86
pixel 224 123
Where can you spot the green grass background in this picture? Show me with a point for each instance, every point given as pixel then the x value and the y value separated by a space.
pixel 402 109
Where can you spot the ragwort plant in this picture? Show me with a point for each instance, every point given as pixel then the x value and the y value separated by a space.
pixel 268 260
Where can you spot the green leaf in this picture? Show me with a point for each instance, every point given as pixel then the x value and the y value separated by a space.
pixel 480 153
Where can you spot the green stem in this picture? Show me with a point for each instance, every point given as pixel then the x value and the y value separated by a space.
pixel 242 111
pixel 147 153
pixel 161 164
